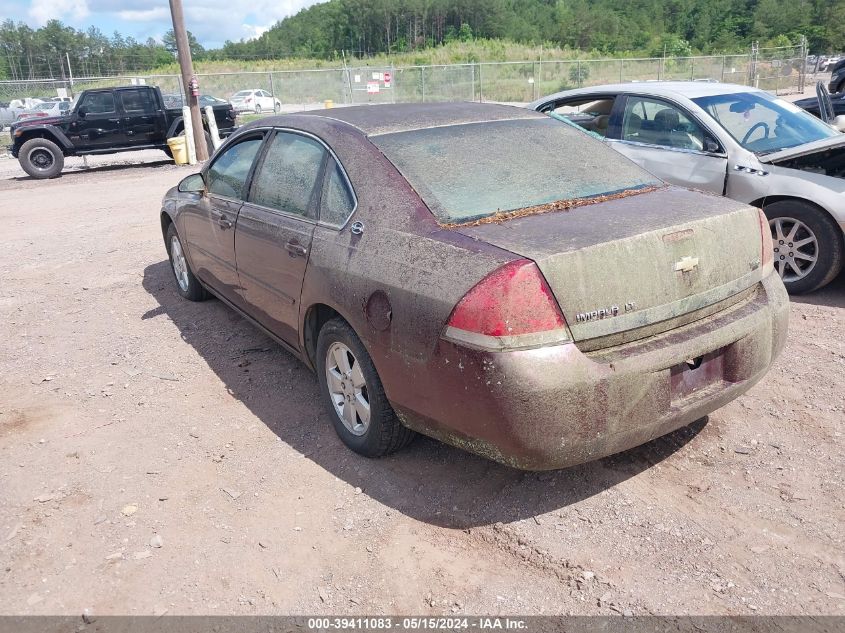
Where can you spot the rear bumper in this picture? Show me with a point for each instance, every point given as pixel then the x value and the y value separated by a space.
pixel 555 407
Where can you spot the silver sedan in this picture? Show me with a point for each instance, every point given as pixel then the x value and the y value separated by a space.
pixel 735 141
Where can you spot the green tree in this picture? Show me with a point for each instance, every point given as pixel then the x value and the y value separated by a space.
pixel 169 42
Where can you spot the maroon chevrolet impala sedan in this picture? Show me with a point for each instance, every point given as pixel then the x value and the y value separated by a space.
pixel 481 274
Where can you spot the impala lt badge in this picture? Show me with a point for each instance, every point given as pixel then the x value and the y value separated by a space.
pixel 603 313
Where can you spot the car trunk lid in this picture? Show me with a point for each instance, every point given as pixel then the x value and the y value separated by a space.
pixel 637 265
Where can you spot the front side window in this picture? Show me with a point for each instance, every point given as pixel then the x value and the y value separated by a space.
pixel 227 176
pixel 137 100
pixel 338 202
pixel 99 103
pixel 762 123
pixel 660 123
pixel 287 176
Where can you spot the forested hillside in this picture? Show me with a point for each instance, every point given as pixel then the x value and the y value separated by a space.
pixel 412 29
pixel 608 26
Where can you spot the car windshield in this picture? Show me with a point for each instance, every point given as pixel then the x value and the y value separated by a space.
pixel 764 124
pixel 472 171
pixel 44 106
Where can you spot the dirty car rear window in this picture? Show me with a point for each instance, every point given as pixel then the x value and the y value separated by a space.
pixel 472 171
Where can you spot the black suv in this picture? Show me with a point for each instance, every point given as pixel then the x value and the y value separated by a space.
pixel 105 122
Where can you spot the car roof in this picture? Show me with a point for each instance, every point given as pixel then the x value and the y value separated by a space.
pixel 687 89
pixel 373 120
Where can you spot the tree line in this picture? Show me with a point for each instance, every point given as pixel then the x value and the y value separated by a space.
pixel 337 28
pixel 56 51
pixel 646 27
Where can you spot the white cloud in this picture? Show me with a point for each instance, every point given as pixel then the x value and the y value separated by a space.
pixel 42 11
pixel 156 14
pixel 252 31
pixel 220 20
pixel 211 21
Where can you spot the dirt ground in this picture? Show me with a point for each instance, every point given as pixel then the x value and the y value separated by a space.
pixel 161 456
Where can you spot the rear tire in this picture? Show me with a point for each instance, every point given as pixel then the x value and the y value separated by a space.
pixel 257 109
pixel 187 285
pixel 796 221
pixel 41 158
pixel 355 388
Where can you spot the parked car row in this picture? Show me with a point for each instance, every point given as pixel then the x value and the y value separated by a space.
pixel 105 121
pixel 253 100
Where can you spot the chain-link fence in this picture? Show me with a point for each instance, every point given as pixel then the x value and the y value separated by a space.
pixel 779 70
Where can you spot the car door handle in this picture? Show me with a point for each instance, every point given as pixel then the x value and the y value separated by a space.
pixel 295 249
pixel 224 223
pixel 114 120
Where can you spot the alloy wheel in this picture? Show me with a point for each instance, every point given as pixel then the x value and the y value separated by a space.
pixel 348 388
pixel 796 248
pixel 180 265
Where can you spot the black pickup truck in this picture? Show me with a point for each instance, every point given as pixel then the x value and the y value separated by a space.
pixel 105 121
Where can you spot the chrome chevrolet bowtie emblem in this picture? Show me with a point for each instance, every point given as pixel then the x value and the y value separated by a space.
pixel 686 264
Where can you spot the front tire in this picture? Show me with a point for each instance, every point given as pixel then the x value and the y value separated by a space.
pixel 808 245
pixel 354 396
pixel 41 158
pixel 257 109
pixel 187 285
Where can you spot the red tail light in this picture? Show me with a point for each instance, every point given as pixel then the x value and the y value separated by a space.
pixel 512 307
pixel 767 254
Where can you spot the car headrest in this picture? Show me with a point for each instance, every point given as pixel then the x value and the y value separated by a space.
pixel 601 122
pixel 667 119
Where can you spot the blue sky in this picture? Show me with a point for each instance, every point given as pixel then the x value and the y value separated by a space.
pixel 211 21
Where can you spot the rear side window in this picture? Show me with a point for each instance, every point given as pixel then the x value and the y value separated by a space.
pixel 472 171
pixel 287 176
pixel 227 176
pixel 98 103
pixel 337 203
pixel 137 101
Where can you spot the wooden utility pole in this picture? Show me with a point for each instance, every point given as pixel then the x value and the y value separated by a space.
pixel 186 64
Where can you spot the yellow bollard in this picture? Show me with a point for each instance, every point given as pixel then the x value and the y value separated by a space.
pixel 328 103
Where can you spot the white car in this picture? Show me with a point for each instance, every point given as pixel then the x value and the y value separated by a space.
pixel 46 109
pixel 255 100
pixel 738 142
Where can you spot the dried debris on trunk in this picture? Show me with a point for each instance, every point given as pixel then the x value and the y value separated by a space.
pixel 558 205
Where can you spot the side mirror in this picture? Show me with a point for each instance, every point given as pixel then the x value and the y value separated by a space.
pixel 711 146
pixel 82 112
pixel 192 184
pixel 839 123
